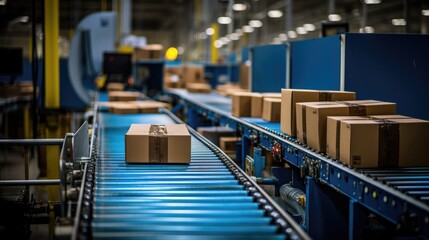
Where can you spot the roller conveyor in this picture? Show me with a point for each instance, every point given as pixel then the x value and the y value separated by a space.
pixel 202 199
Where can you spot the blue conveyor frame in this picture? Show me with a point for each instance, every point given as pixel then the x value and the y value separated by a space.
pixel 399 196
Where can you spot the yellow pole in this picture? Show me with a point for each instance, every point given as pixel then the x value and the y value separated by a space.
pixel 214 37
pixel 52 90
pixel 52 64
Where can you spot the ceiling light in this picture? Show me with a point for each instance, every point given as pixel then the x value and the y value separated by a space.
pixel 225 40
pixel 224 20
pixel 301 30
pixel 425 12
pixel 399 22
pixel 292 34
pixel 372 1
pixel 309 27
pixel 239 7
pixel 255 23
pixel 234 36
pixel 247 29
pixel 275 14
pixel 334 17
pixel 367 29
pixel 283 36
pixel 277 40
pixel 181 50
pixel 24 19
pixel 210 31
pixel 218 44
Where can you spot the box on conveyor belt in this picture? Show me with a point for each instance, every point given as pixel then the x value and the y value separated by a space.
pixel 169 143
pixel 149 106
pixel 333 130
pixel 198 88
pixel 311 117
pixel 244 76
pixel 193 73
pixel 111 87
pixel 257 103
pixel 176 71
pixel 224 89
pixel 123 96
pixel 292 96
pixel 123 108
pixel 242 103
pixel 271 110
pixel 215 133
pixel 150 51
pixel 381 143
pixel 228 144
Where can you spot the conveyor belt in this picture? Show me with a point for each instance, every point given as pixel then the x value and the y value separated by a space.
pixel 395 194
pixel 200 200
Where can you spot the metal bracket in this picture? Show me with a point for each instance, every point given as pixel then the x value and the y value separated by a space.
pixel 310 167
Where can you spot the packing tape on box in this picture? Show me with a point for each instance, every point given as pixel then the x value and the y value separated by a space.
pixel 325 96
pixel 158 144
pixel 356 109
pixel 388 143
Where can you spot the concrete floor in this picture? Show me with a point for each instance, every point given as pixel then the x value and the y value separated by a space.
pixel 12 167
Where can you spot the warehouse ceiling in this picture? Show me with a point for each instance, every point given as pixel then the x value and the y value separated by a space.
pixel 179 22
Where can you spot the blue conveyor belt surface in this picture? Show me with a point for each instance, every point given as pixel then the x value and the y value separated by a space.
pixel 199 200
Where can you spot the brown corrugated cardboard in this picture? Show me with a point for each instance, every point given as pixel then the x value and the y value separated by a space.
pixel 382 117
pixel 228 144
pixel 150 51
pixel 193 73
pixel 313 132
pixel 375 143
pixel 170 143
pixel 244 76
pixel 292 96
pixel 241 103
pixel 257 103
pixel 111 87
pixel 333 129
pixel 198 87
pixel 149 106
pixel 271 110
pixel 123 108
pixel 123 96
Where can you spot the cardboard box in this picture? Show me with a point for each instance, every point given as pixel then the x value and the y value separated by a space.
pixel 111 87
pixel 198 87
pixel 149 106
pixel 257 103
pixel 244 76
pixel 215 133
pixel 312 116
pixel 271 111
pixel 375 143
pixel 123 108
pixel 292 96
pixel 169 143
pixel 386 117
pixel 124 96
pixel 150 51
pixel 242 103
pixel 228 144
pixel 193 73
pixel 333 129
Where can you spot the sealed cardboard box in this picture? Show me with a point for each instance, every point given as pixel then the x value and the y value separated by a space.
pixel 257 103
pixel 312 117
pixel 375 143
pixel 228 144
pixel 193 73
pixel 292 96
pixel 123 96
pixel 244 76
pixel 271 110
pixel 149 106
pixel 386 117
pixel 242 103
pixel 198 87
pixel 150 51
pixel 333 129
pixel 111 87
pixel 169 143
pixel 123 108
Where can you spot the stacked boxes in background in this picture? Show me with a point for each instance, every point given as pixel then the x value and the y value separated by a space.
pixel 311 117
pixel 173 77
pixel 271 110
pixel 215 133
pixel 124 96
pixel 150 51
pixel 257 103
pixel 113 87
pixel 229 88
pixel 170 143
pixel 198 87
pixel 292 96
pixel 193 73
pixel 242 103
